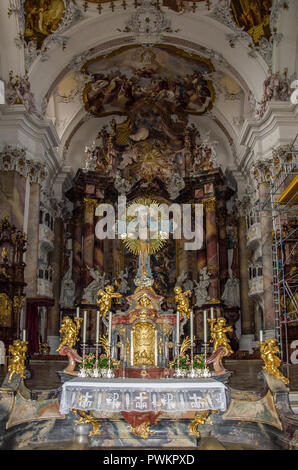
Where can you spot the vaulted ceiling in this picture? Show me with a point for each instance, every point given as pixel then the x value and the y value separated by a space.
pixel 65 46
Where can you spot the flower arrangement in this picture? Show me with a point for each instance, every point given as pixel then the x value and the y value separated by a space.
pixel 198 361
pixel 89 362
pixel 103 362
pixel 185 363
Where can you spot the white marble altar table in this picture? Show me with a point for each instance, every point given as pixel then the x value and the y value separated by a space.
pixel 166 395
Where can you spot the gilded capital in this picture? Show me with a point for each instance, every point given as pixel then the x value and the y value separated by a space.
pixel 210 204
pixel 14 158
pixel 90 205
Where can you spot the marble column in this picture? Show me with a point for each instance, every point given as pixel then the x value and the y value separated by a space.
pixel 201 259
pixel 212 246
pixel 31 270
pixel 77 249
pixel 12 200
pixel 223 249
pixel 266 236
pixel 183 256
pixel 201 254
pixel 246 305
pixel 98 251
pixel 89 236
pixel 53 316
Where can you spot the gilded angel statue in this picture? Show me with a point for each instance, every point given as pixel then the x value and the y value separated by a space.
pixel 70 329
pixel 105 302
pixel 268 350
pixel 218 333
pixel 17 363
pixel 183 302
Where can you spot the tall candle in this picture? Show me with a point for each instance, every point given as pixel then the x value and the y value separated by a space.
pixel 211 313
pixel 177 326
pixel 97 326
pixel 78 312
pixel 205 326
pixel 191 327
pixel 24 335
pixel 261 336
pixel 110 329
pixel 85 327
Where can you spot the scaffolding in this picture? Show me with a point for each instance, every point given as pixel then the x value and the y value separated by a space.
pixel 282 204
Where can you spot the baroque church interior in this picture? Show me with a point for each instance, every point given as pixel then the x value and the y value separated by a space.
pixel 173 118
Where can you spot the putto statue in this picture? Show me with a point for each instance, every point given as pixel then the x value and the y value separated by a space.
pixel 105 302
pixel 17 363
pixel 218 334
pixel 183 306
pixel 268 350
pixel 70 331
pixel 201 289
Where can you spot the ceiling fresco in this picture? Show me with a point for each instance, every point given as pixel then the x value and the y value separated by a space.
pixel 133 76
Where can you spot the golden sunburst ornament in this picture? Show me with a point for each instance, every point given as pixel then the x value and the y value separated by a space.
pixel 152 210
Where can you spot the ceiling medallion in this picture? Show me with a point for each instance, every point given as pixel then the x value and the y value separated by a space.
pixel 148 23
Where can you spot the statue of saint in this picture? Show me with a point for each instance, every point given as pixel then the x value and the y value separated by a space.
pixel 201 289
pixel 99 282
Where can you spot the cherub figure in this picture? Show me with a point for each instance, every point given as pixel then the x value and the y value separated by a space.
pixel 268 350
pixel 17 363
pixel 105 301
pixel 70 329
pixel 183 306
pixel 218 333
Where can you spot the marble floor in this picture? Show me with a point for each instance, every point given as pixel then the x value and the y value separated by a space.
pixel 206 443
pixel 44 374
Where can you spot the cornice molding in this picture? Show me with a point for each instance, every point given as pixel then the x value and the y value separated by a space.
pixel 18 127
pixel 277 127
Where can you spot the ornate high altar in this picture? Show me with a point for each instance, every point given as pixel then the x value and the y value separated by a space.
pixel 145 302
